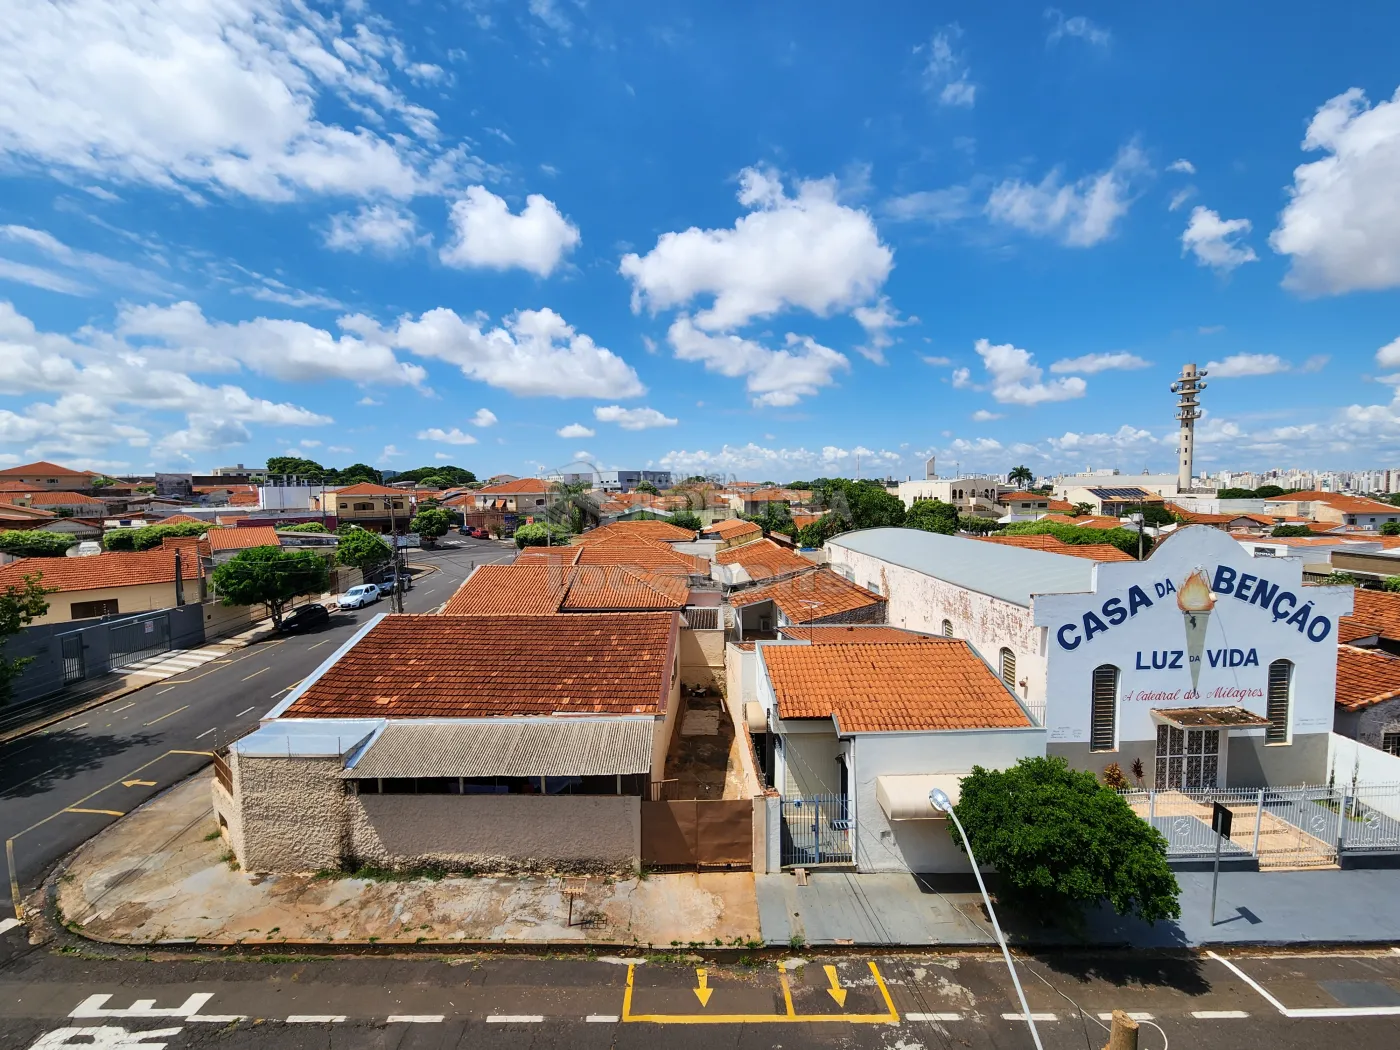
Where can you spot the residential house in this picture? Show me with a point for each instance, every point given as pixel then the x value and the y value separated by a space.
pixel 377 508
pixel 817 597
pixel 64 504
pixel 1374 622
pixel 1368 698
pixel 759 562
pixel 1202 650
pixel 755 501
pixel 521 496
pixel 225 544
pixel 1024 506
pixel 732 532
pixel 462 742
pixel 974 496
pixel 1112 502
pixel 1334 507
pixel 50 477
pixel 868 728
pixel 114 584
pixel 655 531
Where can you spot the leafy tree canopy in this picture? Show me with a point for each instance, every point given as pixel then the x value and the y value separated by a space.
pixel 148 536
pixel 977 526
pixel 683 519
pixel 1391 528
pixel 440 476
pixel 270 576
pixel 933 515
pixel 821 530
pixel 1061 842
pixel 1124 539
pixel 305 468
pixel 541 534
pixel 1339 579
pixel 1291 530
pixel 361 549
pixel 430 523
pixel 20 605
pixel 648 488
pixel 34 543
pixel 1154 514
pixel 1021 475
pixel 1391 583
pixel 865 504
pixel 800 486
pixel 305 526
pixel 1080 510
pixel 775 518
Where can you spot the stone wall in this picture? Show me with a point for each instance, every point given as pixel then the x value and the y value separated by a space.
pixel 601 833
pixel 293 813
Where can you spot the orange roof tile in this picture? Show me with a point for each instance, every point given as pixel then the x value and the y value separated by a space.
pixel 7 485
pixel 422 666
pixel 102 570
pixel 1365 677
pixel 18 512
pixel 801 521
pixel 603 587
pixel 732 528
pixel 63 499
pixel 642 554
pixel 662 531
pixel 1046 542
pixel 238 539
pixel 519 486
pixel 183 519
pixel 855 634
pixel 764 560
pixel 1024 497
pixel 940 683
pixel 551 555
pixel 532 588
pixel 366 488
pixel 1373 613
pixel 810 597
pixel 43 466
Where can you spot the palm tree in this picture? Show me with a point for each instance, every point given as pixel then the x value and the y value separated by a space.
pixel 1080 510
pixel 1021 476
pixel 572 506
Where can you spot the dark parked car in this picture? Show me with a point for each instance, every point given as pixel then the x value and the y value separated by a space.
pixel 465 531
pixel 305 618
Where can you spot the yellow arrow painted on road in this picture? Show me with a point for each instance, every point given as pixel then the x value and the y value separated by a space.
pixel 835 991
pixel 138 783
pixel 703 992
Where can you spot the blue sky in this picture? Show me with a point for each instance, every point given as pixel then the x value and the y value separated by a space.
pixel 760 240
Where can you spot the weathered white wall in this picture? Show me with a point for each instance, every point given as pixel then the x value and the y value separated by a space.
pixel 497 832
pixel 702 658
pixel 922 845
pixel 1259 635
pixel 806 763
pixel 293 812
pixel 921 603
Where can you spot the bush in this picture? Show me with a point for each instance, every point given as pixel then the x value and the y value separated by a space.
pixel 683 519
pixel 1291 530
pixel 1125 540
pixel 1391 528
pixel 541 534
pixel 824 528
pixel 1061 841
pixel 149 536
pixel 977 526
pixel 305 526
pixel 25 543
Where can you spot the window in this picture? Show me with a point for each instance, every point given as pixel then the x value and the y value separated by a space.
pixel 1008 669
pixel 344 506
pixel 947 628
pixel 1280 693
pixel 82 610
pixel 1103 709
pixel 1390 743
pixel 362 506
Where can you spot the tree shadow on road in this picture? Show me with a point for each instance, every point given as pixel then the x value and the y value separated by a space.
pixel 1123 967
pixel 32 765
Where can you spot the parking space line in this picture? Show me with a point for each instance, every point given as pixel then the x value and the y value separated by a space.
pixel 601 1018
pixel 244 711
pixel 1034 1017
pixel 1133 1014
pixel 315 1018
pixel 166 715
pixel 415 1018
pixel 1321 1011
pixel 933 1017
pixel 515 1019
pixel 217 1018
pixel 1219 1015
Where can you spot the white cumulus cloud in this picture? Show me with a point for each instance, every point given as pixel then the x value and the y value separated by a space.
pixel 1240 365
pixel 484 418
pixel 1215 241
pixel 574 430
pixel 774 377
pixel 1079 214
pixel 1341 227
pixel 447 437
pixel 383 228
pixel 633 418
pixel 1092 363
pixel 488 236
pixel 1014 378
pixel 983 415
pixel 1075 26
pixel 1182 166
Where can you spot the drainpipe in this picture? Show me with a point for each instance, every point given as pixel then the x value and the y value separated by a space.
pixel 179 580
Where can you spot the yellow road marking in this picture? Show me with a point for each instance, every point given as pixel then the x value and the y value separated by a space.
pixel 138 783
pixel 892 1017
pixel 104 812
pixel 163 717
pixel 835 991
pixel 206 754
pixel 704 992
pixel 258 672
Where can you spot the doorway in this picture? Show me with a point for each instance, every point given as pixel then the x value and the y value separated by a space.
pixel 1187 759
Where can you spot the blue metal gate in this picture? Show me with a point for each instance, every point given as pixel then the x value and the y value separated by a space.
pixel 816 830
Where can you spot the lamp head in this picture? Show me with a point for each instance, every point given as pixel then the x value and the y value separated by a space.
pixel 939 800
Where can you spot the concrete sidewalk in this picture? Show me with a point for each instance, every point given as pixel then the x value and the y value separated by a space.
pixel 162 874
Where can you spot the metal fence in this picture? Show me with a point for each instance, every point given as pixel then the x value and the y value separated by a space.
pixel 1290 827
pixel 816 830
pixel 137 638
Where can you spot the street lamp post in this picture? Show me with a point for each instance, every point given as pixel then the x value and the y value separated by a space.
pixel 1140 520
pixel 938 798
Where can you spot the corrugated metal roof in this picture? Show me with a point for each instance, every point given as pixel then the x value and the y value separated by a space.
pixel 536 747
pixel 1012 574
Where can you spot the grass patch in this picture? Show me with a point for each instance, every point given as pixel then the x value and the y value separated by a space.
pixel 232 861
pixel 374 873
pixel 212 835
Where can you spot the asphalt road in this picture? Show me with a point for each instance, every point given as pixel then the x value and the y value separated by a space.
pixel 894 1003
pixel 60 786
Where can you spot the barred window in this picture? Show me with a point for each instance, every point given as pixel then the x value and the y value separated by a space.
pixel 1103 709
pixel 1008 669
pixel 1280 696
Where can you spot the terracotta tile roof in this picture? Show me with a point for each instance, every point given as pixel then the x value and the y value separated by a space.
pixel 244 499
pixel 1199 518
pixel 940 683
pixel 491 590
pixel 732 528
pixel 764 560
pixel 642 554
pixel 1374 613
pixel 242 539
pixel 550 555
pixel 801 521
pixel 17 512
pixel 102 570
pixel 43 466
pixel 1046 542
pixel 63 499
pixel 1089 521
pixel 778 495
pixel 662 531
pixel 183 519
pixel 519 486
pixel 7 485
pixel 423 666
pixel 366 488
pixel 1061 505
pixel 1365 677
pixel 602 587
pixel 1024 497
pixel 811 596
pixel 855 634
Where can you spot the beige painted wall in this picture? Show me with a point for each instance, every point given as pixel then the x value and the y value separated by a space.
pixel 136 599
pixel 702 658
pixel 665 727
pixel 600 833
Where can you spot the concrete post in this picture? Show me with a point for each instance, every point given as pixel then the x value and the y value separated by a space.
pixel 1124 1034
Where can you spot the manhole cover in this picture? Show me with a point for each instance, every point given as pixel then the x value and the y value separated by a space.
pixel 1361 993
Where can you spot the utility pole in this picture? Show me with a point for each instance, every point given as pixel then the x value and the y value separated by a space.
pixel 398 564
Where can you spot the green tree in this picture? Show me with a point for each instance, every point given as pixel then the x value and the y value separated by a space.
pixel 1154 514
pixel 1270 491
pixel 1061 842
pixel 1391 528
pixel 1291 530
pixel 874 507
pixel 1020 476
pixel 305 526
pixel 148 536
pixel 356 473
pixel 648 488
pixel 1080 510
pixel 541 534
pixel 1234 494
pixel 824 528
pixel 1391 583
pixel 430 523
pixel 684 519
pixel 33 543
pixel 932 515
pixel 1125 540
pixel 304 468
pixel 1338 579
pixel 572 506
pixel 271 577
pixel 775 517
pixel 361 549
pixel 977 526
pixel 20 605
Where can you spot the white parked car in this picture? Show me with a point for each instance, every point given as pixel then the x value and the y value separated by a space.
pixel 355 597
